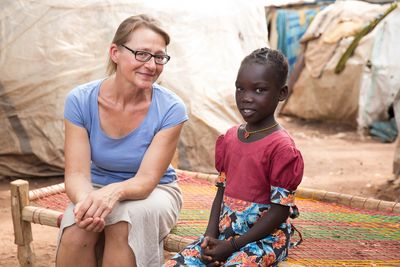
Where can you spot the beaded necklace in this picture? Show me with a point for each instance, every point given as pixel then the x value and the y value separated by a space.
pixel 248 133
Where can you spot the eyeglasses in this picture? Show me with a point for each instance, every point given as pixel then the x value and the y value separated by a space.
pixel 144 56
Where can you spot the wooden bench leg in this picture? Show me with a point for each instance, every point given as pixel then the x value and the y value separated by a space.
pixel 22 229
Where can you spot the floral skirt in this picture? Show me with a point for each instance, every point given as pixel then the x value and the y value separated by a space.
pixel 237 217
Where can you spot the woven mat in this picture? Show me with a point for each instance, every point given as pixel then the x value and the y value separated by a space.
pixel 333 235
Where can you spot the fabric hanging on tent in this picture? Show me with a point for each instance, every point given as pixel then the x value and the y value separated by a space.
pixel 385 131
pixel 291 25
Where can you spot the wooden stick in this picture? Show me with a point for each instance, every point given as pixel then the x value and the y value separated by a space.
pixel 42 216
pixel 46 191
pixel 348 200
pixel 175 243
pixel 22 229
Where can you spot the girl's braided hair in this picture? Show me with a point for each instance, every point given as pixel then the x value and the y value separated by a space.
pixel 272 58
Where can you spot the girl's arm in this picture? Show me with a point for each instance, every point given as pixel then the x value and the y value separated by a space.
pixel 212 230
pixel 271 220
pixel 213 222
pixel 219 250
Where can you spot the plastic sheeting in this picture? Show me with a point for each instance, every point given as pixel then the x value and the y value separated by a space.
pixel 351 96
pixel 49 47
pixel 380 81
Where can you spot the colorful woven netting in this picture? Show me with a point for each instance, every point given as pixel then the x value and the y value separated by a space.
pixel 333 235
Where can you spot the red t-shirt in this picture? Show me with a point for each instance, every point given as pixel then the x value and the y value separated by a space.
pixel 252 169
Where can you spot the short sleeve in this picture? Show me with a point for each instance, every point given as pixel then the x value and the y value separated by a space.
pixel 219 161
pixel 286 174
pixel 175 115
pixel 73 110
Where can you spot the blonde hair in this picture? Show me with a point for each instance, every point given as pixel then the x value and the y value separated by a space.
pixel 128 26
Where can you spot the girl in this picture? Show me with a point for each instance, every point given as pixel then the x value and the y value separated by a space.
pixel 260 169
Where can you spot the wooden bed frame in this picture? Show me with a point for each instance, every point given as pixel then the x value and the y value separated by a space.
pixel 23 214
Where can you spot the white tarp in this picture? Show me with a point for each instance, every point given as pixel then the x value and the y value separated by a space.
pixel 362 92
pixel 381 81
pixel 49 47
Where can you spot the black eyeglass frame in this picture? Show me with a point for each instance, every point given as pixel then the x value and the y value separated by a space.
pixel 134 52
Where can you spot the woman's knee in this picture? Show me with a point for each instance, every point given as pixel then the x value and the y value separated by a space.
pixel 117 232
pixel 75 237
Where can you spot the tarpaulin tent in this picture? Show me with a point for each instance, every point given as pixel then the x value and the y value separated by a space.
pixel 48 47
pixel 364 90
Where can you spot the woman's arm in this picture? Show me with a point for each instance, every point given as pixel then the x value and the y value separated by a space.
pixel 77 178
pixel 154 164
pixel 77 162
pixel 99 203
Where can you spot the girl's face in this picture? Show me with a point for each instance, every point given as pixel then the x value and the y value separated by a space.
pixel 140 74
pixel 258 94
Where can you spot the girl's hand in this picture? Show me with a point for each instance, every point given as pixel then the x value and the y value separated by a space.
pixel 92 209
pixel 215 251
pixel 208 259
pixel 204 244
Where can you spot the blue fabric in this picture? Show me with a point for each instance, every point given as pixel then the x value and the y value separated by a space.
pixel 385 131
pixel 115 160
pixel 290 32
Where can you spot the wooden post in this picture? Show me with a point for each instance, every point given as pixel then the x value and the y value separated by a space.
pixel 22 229
pixel 396 160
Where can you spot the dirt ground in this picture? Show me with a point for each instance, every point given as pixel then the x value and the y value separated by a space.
pixel 336 159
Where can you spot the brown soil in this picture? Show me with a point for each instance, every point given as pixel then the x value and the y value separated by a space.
pixel 336 159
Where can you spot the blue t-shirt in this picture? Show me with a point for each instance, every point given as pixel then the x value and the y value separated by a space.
pixel 118 159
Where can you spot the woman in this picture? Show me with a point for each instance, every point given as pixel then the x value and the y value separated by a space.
pixel 120 136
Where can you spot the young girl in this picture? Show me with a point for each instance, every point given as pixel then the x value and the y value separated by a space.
pixel 260 169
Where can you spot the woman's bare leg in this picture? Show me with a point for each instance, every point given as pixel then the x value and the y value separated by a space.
pixel 117 251
pixel 77 248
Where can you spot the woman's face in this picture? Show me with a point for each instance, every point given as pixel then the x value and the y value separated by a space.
pixel 141 74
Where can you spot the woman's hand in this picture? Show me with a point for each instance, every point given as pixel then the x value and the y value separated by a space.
pixel 91 211
pixel 215 251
